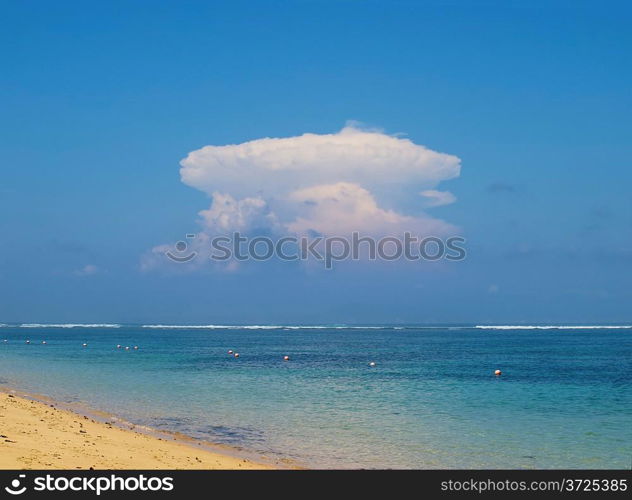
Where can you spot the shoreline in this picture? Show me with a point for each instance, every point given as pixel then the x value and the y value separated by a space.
pixel 37 432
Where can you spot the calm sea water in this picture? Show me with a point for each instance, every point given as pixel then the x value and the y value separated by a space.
pixel 564 399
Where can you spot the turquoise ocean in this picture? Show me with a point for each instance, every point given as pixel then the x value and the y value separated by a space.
pixel 564 399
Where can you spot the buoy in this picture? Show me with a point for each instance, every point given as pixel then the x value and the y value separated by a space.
pixel 43 342
pixel 118 346
pixel 498 372
pixel 286 358
pixel 236 354
pixel 136 347
pixel 5 340
pixel 28 341
pixel 127 348
pixel 372 363
pixel 84 345
pixel 230 351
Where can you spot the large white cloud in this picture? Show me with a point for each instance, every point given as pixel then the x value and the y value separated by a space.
pixel 272 166
pixel 353 180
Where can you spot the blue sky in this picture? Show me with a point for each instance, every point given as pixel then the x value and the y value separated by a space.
pixel 101 102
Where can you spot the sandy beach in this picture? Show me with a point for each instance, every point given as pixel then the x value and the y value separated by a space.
pixel 37 435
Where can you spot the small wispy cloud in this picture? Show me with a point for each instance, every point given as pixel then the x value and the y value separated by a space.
pixel 602 213
pixel 87 270
pixel 501 187
pixel 436 198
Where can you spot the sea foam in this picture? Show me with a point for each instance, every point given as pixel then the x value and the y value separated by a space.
pixel 69 325
pixel 554 327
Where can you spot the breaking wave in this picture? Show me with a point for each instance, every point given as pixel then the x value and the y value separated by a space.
pixel 554 327
pixel 69 325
